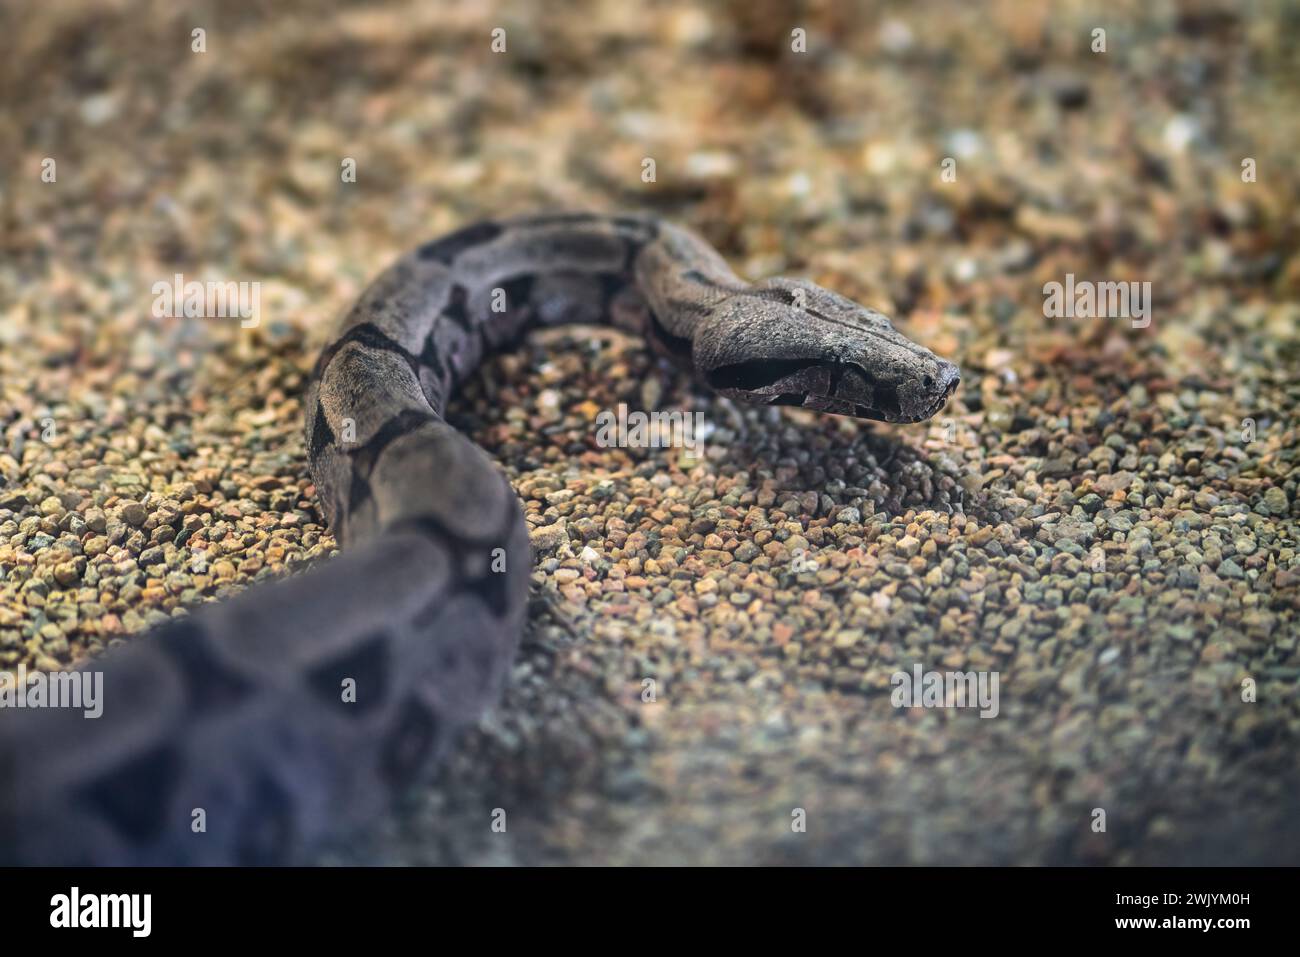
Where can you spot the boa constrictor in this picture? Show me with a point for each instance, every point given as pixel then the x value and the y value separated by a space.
pixel 252 729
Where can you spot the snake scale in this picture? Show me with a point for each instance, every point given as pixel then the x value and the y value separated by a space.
pixel 227 736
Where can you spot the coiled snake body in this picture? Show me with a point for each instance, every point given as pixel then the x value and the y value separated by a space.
pixel 252 729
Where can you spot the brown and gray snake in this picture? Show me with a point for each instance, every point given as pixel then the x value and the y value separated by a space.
pixel 237 710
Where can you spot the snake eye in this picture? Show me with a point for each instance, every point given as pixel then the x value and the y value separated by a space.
pixel 928 382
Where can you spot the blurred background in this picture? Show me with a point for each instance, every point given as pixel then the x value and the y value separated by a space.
pixel 148 465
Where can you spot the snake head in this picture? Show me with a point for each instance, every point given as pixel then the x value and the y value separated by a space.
pixel 790 342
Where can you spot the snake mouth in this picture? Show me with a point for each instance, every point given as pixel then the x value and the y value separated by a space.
pixel 829 406
pixel 757 374
pixel 856 410
pixel 787 398
pixel 758 380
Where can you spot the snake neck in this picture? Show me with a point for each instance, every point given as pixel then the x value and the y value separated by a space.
pixel 424 325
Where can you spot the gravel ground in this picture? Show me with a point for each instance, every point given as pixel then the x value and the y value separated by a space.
pixel 1106 516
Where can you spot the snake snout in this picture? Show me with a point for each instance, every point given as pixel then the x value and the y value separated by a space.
pixel 949 377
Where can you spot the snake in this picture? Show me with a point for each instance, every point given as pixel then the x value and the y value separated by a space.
pixel 256 730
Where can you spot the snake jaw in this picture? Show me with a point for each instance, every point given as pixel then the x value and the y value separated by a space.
pixel 840 389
